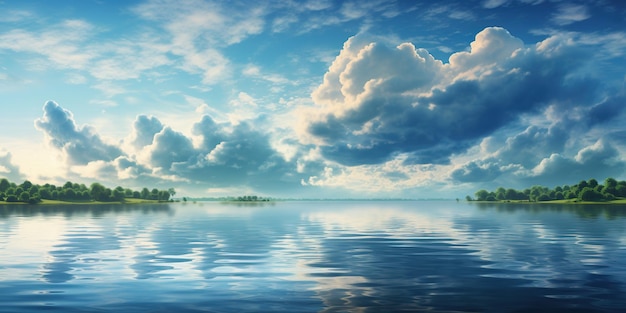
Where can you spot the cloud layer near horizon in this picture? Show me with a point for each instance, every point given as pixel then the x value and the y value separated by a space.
pixel 226 155
pixel 389 115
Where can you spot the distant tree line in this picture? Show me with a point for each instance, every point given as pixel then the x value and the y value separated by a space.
pixel 585 190
pixel 248 199
pixel 33 193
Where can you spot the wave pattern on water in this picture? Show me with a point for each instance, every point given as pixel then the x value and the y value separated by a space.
pixel 312 257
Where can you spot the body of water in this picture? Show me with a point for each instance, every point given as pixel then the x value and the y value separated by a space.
pixel 319 256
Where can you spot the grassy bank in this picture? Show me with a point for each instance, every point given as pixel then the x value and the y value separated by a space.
pixel 564 201
pixel 57 202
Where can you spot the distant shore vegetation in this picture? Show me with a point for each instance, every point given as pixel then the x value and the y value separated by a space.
pixel 231 199
pixel 586 190
pixel 249 199
pixel 28 192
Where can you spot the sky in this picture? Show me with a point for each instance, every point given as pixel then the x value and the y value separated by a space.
pixel 313 99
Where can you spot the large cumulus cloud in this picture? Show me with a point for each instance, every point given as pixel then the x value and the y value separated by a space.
pixel 378 102
pixel 80 145
pixel 217 155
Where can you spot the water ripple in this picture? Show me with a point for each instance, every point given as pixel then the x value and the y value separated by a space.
pixel 312 257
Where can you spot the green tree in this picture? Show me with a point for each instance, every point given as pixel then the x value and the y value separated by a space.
pixel 543 197
pixel 108 195
pixel 26 185
pixel 559 195
pixel 610 186
pixel 98 192
pixel 164 195
pixel 4 184
pixel 154 194
pixel 552 194
pixel 481 195
pixel 590 194
pixel 68 194
pixel 510 194
pixel 145 193
pixel 620 190
pixel 610 182
pixel 118 194
pixel 535 192
pixel 24 196
pixel 500 193
pixel 34 189
pixel 34 198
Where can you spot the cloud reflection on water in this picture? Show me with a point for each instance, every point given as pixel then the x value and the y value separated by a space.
pixel 334 256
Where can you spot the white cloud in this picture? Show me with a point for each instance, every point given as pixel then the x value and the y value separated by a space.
pixel 196 27
pixel 244 99
pixel 384 115
pixel 225 155
pixel 377 102
pixel 391 178
pixel 570 13
pixel 462 15
pixel 554 155
pixel 169 147
pixel 492 4
pixel 75 79
pixel 13 16
pixel 144 130
pixel 282 23
pixel 128 59
pixel 255 72
pixel 79 145
pixel 61 43
pixel 74 44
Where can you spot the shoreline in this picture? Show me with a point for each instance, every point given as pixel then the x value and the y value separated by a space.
pixel 45 202
pixel 567 201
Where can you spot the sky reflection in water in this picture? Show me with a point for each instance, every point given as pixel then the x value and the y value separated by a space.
pixel 313 257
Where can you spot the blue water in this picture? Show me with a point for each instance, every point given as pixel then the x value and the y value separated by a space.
pixel 405 256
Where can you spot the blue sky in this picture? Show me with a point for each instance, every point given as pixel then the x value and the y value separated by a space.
pixel 417 99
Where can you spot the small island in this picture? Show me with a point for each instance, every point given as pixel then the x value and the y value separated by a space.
pixel 585 191
pixel 29 193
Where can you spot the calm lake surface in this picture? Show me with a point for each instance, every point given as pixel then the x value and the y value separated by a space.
pixel 344 256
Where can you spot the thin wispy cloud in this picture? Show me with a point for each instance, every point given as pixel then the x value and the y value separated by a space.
pixel 569 13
